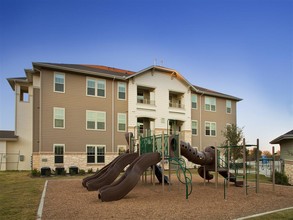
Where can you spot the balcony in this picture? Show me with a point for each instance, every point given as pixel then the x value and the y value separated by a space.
pixel 145 101
pixel 176 104
pixel 145 95
pixel 175 100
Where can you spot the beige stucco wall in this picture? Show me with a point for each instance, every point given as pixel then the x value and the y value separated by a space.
pixel 162 83
pixel 288 169
pixel 23 129
pixel 2 155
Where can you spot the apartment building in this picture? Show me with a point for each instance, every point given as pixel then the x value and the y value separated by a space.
pixel 77 115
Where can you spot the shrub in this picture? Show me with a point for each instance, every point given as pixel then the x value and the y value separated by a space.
pixel 72 172
pixel 35 173
pixel 90 170
pixel 281 178
pixel 82 172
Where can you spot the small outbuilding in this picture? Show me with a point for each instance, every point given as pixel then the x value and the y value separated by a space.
pixel 286 148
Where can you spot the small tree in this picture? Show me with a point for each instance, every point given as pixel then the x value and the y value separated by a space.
pixel 267 154
pixel 233 137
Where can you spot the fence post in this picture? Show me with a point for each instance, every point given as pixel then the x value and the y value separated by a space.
pixel 273 168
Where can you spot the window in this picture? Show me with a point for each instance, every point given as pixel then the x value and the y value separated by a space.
pixel 59 118
pixel 210 128
pixel 121 122
pixel 194 127
pixel 101 85
pixel 95 154
pixel 194 101
pixel 24 95
pixel 121 91
pixel 95 120
pixel 59 153
pixel 59 82
pixel 96 87
pixel 228 107
pixel 91 87
pixel 210 104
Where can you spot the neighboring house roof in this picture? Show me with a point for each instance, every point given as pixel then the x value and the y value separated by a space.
pixel 287 136
pixel 111 72
pixel 8 136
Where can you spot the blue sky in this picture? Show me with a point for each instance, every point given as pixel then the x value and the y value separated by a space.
pixel 239 47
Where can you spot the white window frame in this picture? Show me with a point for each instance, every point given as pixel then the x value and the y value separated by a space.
pixel 96 153
pixel 228 106
pixel 59 145
pixel 55 75
pixel 194 121
pixel 192 101
pixel 211 125
pixel 120 85
pixel 119 115
pixel 209 103
pixel 96 81
pixel 96 120
pixel 55 109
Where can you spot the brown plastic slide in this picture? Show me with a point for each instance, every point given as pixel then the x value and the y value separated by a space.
pixel 120 188
pixel 112 172
pixel 100 172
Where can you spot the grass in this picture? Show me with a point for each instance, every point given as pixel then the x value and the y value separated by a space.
pixel 20 196
pixel 287 214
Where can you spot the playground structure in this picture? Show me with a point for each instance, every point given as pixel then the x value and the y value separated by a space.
pixel 167 149
pixel 238 172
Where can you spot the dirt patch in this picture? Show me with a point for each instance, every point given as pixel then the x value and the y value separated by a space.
pixel 67 199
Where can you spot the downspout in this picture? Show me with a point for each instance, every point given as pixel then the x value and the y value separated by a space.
pixel 113 114
pixel 200 121
pixel 40 112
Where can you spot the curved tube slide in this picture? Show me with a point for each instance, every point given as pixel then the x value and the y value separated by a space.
pixel 112 172
pixel 120 188
pixel 205 158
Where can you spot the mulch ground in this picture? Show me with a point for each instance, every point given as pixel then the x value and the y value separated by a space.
pixel 67 199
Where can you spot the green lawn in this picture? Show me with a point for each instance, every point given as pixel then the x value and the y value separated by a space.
pixel 20 195
pixel 287 214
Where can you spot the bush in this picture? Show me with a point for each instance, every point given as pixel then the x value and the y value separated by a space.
pixel 90 170
pixel 281 178
pixel 82 172
pixel 35 173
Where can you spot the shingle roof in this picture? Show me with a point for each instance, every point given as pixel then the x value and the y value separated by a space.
pixel 214 93
pixel 287 136
pixel 91 69
pixel 105 71
pixel 8 135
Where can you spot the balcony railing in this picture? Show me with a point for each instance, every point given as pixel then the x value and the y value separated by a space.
pixel 146 101
pixel 176 105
